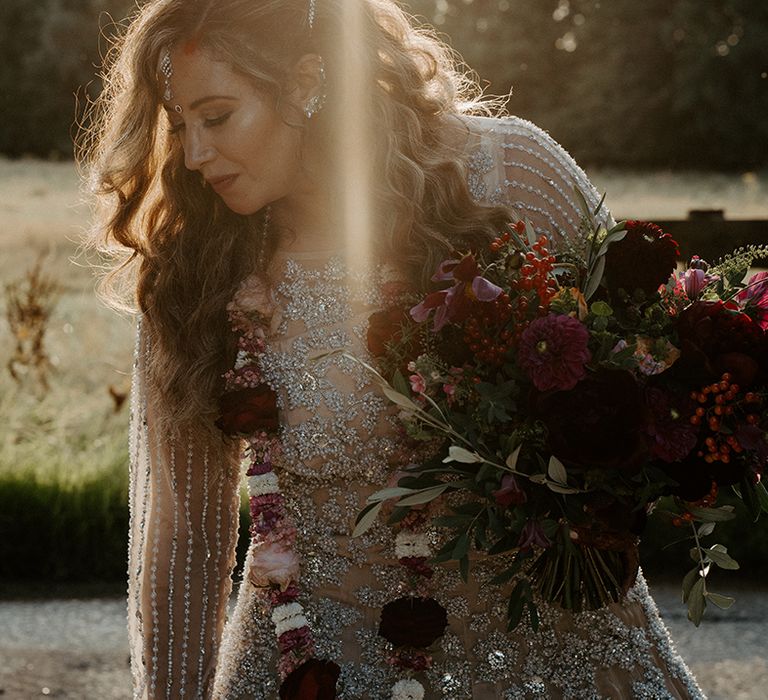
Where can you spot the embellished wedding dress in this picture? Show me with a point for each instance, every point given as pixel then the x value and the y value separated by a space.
pixel 339 442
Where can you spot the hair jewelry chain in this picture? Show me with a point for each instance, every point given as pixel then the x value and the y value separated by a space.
pixel 311 14
pixel 166 68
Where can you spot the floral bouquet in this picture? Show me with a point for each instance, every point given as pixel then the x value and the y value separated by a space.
pixel 561 396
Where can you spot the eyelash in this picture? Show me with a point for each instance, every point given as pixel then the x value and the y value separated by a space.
pixel 216 121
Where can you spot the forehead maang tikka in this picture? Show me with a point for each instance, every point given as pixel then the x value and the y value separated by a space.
pixel 166 68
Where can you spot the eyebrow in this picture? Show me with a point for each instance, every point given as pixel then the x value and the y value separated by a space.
pixel 202 101
pixel 210 98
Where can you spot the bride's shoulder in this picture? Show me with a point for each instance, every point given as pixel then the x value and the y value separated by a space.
pixel 515 134
pixel 514 162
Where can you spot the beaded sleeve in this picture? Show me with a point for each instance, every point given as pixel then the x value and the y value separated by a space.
pixel 519 165
pixel 184 513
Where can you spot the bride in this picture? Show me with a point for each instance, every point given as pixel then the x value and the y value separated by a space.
pixel 294 161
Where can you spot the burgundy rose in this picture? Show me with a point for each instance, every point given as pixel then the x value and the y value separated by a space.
pixel 412 622
pixel 669 429
pixel 247 411
pixel 643 259
pixel 553 352
pixel 386 327
pixel 315 679
pixel 715 339
pixel 598 423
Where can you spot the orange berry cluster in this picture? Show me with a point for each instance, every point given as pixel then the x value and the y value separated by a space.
pixel 716 402
pixel 535 274
pixel 709 500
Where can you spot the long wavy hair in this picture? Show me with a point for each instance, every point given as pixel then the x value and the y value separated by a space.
pixel 178 253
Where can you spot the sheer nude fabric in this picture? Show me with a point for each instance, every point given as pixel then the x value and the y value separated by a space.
pixel 340 442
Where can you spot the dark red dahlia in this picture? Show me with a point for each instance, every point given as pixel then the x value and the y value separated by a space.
pixel 715 339
pixel 247 411
pixel 413 622
pixel 553 352
pixel 643 259
pixel 315 679
pixel 669 429
pixel 597 424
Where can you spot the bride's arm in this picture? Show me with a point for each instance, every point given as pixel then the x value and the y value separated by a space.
pixel 184 501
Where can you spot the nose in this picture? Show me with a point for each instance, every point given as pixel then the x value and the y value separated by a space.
pixel 198 150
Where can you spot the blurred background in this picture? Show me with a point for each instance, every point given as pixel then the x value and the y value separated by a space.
pixel 663 102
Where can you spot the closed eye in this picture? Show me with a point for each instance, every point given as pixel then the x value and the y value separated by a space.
pixel 215 121
pixel 175 128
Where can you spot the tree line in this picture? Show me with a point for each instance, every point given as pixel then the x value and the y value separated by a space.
pixel 619 82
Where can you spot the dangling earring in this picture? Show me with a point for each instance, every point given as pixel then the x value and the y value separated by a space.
pixel 315 104
pixel 265 231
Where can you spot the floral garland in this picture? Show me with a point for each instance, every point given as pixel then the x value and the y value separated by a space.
pixel 412 623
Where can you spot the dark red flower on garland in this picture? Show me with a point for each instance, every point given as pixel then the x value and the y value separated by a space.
pixel 715 339
pixel 386 327
pixel 315 679
pixel 643 259
pixel 247 411
pixel 413 622
pixel 598 423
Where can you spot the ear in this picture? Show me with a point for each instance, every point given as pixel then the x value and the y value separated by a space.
pixel 308 78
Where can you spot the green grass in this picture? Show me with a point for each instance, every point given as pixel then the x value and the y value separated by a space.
pixel 63 457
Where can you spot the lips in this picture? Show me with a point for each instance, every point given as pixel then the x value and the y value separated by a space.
pixel 222 183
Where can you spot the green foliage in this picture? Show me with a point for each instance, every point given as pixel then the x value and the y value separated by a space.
pixel 57 532
pixel 48 53
pixel 621 82
pixel 652 83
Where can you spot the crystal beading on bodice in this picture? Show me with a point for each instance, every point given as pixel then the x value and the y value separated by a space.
pixel 340 439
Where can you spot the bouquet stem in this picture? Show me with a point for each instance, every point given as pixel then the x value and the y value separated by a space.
pixel 582 577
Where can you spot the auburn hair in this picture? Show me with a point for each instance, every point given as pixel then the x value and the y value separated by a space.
pixel 178 253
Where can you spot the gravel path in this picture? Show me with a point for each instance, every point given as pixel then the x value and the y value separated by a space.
pixel 78 648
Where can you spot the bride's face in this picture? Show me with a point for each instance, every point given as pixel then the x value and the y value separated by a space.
pixel 231 133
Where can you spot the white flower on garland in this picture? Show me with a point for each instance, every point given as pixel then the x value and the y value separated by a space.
pixel 412 544
pixel 288 617
pixel 243 359
pixel 408 689
pixel 263 484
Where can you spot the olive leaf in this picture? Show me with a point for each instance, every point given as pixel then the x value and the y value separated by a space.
pixel 719 556
pixel 556 471
pixel 424 496
pixel 513 457
pixel 696 602
pixel 366 518
pixel 722 601
pixel 712 515
pixel 459 454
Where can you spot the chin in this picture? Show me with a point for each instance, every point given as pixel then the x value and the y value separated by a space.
pixel 242 208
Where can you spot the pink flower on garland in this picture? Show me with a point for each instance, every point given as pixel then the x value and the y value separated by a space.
pixel 553 351
pixel 273 565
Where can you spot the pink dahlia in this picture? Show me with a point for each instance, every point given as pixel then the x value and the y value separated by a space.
pixel 553 351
